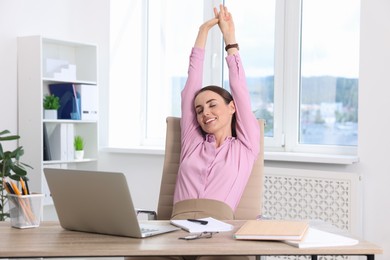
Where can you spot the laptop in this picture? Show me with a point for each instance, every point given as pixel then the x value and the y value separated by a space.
pixel 98 202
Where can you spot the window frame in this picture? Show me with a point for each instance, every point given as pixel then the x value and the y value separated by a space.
pixel 292 49
pixel 286 80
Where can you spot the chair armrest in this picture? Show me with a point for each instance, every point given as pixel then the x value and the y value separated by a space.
pixel 152 215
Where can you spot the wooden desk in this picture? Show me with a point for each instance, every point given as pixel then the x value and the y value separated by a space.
pixel 50 240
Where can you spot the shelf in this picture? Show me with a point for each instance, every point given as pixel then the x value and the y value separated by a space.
pixel 42 62
pixel 69 161
pixel 63 60
pixel 53 80
pixel 69 121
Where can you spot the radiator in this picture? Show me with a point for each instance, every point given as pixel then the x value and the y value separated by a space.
pixel 313 195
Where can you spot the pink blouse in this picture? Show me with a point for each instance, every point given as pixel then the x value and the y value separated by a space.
pixel 206 171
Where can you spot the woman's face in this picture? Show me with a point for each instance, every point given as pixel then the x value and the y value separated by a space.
pixel 212 113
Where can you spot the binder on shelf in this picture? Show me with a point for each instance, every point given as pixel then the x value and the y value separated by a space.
pixel 88 101
pixel 46 144
pixel 61 142
pixel 69 100
pixel 58 144
pixel 69 142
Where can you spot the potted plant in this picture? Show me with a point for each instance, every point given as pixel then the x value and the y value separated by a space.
pixel 78 147
pixel 51 104
pixel 10 167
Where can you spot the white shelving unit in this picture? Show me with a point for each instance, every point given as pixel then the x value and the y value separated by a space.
pixel 41 62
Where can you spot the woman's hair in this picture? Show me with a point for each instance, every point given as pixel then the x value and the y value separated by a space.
pixel 227 97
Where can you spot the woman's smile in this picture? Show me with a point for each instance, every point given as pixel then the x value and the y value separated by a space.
pixel 209 120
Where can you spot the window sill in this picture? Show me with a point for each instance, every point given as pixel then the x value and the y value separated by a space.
pixel 147 150
pixel 268 156
pixel 310 158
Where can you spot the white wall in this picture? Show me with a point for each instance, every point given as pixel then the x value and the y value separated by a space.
pixel 374 123
pixel 87 21
pixel 73 20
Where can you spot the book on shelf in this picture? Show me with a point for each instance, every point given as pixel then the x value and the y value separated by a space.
pixel 46 144
pixel 319 238
pixel 272 230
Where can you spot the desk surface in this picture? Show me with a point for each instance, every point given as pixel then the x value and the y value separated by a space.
pixel 50 240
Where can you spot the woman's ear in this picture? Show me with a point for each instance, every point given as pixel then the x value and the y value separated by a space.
pixel 232 107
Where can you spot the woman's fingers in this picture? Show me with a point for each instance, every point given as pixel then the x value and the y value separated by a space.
pixel 216 12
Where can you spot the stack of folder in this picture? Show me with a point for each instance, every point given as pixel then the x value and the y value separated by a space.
pixel 294 233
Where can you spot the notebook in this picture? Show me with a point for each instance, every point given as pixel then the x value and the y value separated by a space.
pixel 272 230
pixel 97 202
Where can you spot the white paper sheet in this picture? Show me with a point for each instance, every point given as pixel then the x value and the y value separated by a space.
pixel 319 238
pixel 213 225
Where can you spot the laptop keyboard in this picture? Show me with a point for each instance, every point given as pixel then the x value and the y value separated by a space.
pixel 147 230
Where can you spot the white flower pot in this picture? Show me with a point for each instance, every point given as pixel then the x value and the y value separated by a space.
pixel 50 114
pixel 79 155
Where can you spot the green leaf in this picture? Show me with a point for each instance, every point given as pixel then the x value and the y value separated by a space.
pixel 14 177
pixel 8 138
pixel 17 153
pixel 26 165
pixel 19 170
pixel 4 132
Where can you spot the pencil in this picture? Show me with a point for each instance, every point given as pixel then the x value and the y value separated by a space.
pixel 24 189
pixel 15 188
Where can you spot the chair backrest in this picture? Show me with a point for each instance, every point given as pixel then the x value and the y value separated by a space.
pixel 251 202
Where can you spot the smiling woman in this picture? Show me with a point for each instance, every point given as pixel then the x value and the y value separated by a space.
pixel 215 112
pixel 215 164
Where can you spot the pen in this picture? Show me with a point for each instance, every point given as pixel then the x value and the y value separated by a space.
pixel 8 187
pixel 27 188
pixel 202 222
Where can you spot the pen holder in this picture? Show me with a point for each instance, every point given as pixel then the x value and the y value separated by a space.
pixel 25 210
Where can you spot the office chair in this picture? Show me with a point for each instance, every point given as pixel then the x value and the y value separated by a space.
pixel 251 201
pixel 250 205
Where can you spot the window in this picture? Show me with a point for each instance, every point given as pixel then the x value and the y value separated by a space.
pixel 301 65
pixel 329 72
pixel 171 32
pixel 258 52
pixel 127 72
